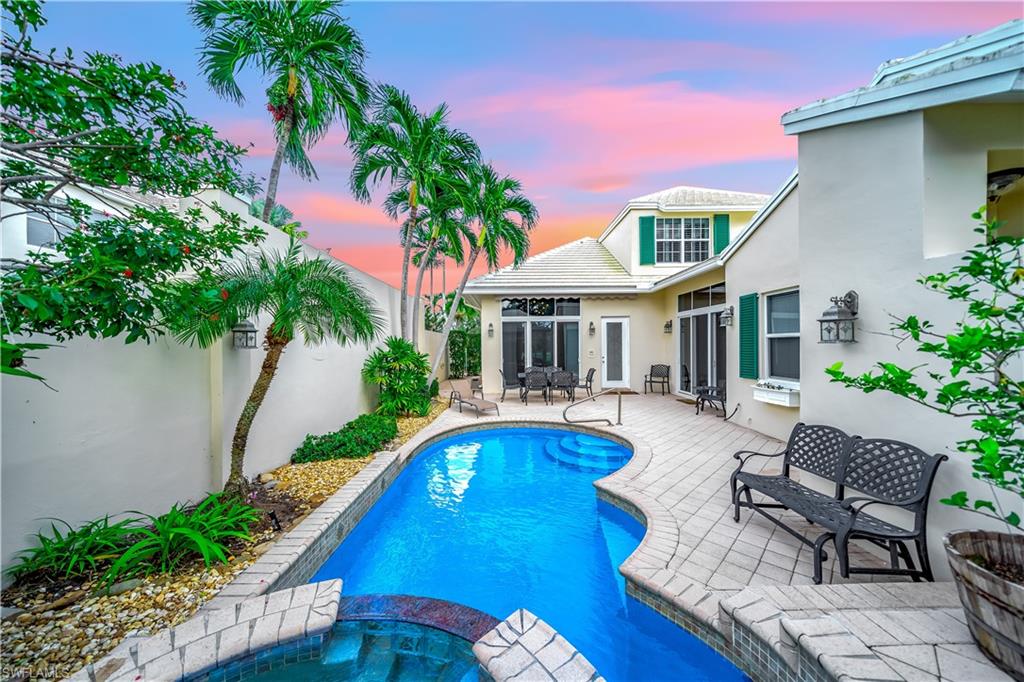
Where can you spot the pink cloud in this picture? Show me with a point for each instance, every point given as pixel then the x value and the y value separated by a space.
pixel 881 18
pixel 312 207
pixel 597 137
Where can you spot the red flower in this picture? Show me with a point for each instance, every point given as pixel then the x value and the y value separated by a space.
pixel 127 272
pixel 224 294
pixel 186 249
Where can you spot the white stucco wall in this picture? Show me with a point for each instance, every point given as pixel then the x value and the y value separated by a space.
pixel 765 263
pixel 877 198
pixel 143 426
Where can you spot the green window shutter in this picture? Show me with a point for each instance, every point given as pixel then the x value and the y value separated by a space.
pixel 721 233
pixel 647 240
pixel 748 336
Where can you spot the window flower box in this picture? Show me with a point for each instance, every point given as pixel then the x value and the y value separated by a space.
pixel 776 394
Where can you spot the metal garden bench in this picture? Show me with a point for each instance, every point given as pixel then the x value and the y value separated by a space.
pixel 889 472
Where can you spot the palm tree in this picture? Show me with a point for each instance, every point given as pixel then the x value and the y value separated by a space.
pixel 504 217
pixel 417 154
pixel 311 297
pixel 312 58
pixel 439 232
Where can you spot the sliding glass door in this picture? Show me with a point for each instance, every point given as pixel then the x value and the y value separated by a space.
pixel 701 355
pixel 544 332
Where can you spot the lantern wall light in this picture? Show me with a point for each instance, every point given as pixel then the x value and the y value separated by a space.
pixel 490 330
pixel 593 329
pixel 668 327
pixel 244 335
pixel 725 319
pixel 838 322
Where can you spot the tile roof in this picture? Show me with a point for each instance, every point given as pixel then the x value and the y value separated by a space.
pixel 702 197
pixel 987 66
pixel 584 265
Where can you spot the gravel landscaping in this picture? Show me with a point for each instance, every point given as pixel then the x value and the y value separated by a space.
pixel 51 629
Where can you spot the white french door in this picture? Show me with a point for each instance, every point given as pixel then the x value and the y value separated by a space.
pixel 614 352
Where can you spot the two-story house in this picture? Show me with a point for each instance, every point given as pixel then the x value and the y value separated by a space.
pixel 650 289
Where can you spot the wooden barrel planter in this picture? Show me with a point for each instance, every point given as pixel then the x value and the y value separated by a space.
pixel 994 605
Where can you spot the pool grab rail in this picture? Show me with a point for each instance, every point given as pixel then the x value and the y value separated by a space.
pixel 594 397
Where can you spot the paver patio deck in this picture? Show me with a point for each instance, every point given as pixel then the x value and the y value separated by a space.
pixel 746 588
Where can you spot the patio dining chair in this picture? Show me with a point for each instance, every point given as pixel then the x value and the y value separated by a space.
pixel 658 376
pixel 565 383
pixel 536 380
pixel 587 384
pixel 507 383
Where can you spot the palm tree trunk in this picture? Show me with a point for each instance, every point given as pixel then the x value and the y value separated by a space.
pixel 275 167
pixel 450 320
pixel 427 256
pixel 236 484
pixel 410 227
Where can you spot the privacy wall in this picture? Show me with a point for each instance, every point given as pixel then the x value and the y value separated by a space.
pixel 139 427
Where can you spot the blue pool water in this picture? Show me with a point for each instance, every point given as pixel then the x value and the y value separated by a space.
pixel 508 518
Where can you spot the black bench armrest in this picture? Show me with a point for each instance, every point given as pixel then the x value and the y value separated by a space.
pixel 848 503
pixel 750 454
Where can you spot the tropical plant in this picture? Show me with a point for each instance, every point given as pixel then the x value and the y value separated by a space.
pixel 504 217
pixel 74 552
pixel 312 58
pixel 417 154
pixel 183 533
pixel 361 437
pixel 312 297
pixel 977 371
pixel 400 371
pixel 83 133
pixel 280 217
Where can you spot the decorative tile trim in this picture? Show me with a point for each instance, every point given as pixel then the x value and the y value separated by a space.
pixel 524 647
pixel 455 619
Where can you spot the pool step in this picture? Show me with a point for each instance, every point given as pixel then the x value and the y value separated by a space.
pixel 587 453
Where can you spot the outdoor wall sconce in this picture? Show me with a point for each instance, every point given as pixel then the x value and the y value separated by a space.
pixel 490 330
pixel 593 329
pixel 668 327
pixel 725 319
pixel 244 335
pixel 838 321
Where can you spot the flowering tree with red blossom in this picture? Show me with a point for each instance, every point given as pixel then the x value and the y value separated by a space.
pixel 82 139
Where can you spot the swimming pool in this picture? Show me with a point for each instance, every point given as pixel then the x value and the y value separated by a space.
pixel 508 518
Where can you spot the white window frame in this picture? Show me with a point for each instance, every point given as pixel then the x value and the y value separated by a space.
pixel 529 319
pixel 706 241
pixel 659 222
pixel 768 376
pixel 685 222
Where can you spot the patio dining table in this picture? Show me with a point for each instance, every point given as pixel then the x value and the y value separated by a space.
pixel 548 372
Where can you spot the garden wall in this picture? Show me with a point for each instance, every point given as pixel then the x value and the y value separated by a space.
pixel 142 426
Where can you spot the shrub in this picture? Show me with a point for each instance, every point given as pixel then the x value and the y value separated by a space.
pixel 182 534
pixel 139 545
pixel 401 373
pixel 75 552
pixel 360 437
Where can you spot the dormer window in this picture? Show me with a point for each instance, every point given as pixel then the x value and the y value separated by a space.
pixel 681 240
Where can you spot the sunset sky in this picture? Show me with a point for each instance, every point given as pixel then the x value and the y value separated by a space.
pixel 588 104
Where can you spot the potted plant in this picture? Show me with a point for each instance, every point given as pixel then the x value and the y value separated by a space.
pixel 974 379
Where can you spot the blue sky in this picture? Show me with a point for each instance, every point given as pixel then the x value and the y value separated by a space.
pixel 588 103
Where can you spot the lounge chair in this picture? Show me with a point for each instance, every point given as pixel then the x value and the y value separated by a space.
pixel 463 393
